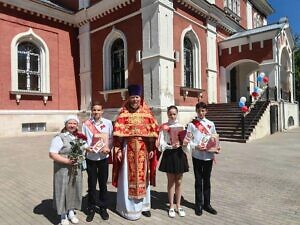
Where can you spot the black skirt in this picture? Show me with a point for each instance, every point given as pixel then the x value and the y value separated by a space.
pixel 174 161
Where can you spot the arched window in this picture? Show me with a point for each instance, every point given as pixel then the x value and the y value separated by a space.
pixel 188 63
pixel 117 65
pixel 29 67
pixel 190 59
pixel 29 64
pixel 115 69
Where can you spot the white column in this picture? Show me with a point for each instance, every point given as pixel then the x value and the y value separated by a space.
pixel 158 56
pixel 223 85
pixel 85 66
pixel 249 16
pixel 211 62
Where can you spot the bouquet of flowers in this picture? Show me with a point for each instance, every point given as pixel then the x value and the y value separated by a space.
pixel 77 152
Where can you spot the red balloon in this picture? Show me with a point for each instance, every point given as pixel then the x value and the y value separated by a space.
pixel 266 79
pixel 244 108
pixel 254 94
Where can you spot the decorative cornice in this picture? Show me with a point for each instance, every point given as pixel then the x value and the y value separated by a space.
pixel 93 13
pixel 40 10
pixel 212 13
pixel 101 9
pixel 263 6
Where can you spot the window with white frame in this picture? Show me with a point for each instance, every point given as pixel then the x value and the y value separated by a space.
pixel 257 20
pixel 29 72
pixel 188 63
pixel 115 69
pixel 191 75
pixel 233 5
pixel 117 65
pixel 29 64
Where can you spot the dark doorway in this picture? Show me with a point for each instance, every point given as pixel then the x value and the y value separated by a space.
pixel 233 85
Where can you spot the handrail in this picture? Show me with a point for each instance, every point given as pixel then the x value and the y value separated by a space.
pixel 252 105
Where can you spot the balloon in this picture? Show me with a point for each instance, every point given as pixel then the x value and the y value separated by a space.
pixel 241 104
pixel 243 99
pixel 266 80
pixel 262 74
pixel 259 79
pixel 244 108
pixel 256 89
pixel 254 94
pixel 259 90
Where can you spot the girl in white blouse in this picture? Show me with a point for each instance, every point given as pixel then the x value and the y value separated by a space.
pixel 174 160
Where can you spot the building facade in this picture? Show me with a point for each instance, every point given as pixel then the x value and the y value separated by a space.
pixel 58 56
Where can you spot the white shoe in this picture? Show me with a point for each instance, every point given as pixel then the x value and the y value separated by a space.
pixel 64 222
pixel 74 219
pixel 181 212
pixel 172 213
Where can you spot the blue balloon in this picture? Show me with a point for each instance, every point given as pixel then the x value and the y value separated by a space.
pixel 241 104
pixel 256 89
pixel 259 79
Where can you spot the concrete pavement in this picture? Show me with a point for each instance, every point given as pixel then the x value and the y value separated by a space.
pixel 253 183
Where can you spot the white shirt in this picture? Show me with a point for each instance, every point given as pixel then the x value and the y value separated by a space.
pixel 103 126
pixel 197 136
pixel 57 143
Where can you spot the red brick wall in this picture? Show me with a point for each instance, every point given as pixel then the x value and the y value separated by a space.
pixel 257 53
pixel 64 65
pixel 132 29
pixel 220 4
pixel 180 24
pixel 120 13
pixel 243 13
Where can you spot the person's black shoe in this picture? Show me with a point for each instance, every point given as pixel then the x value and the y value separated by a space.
pixel 198 211
pixel 90 215
pixel 103 213
pixel 210 209
pixel 146 213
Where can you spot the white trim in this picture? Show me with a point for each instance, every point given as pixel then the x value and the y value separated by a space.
pixel 197 55
pixel 116 21
pixel 30 36
pixel 190 20
pixel 37 112
pixel 111 37
pixel 31 7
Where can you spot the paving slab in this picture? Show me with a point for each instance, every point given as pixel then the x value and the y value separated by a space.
pixel 253 183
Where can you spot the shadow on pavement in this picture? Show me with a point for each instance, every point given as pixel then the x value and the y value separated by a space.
pixel 45 208
pixel 159 200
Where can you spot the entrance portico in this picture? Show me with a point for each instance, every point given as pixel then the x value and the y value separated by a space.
pixel 244 55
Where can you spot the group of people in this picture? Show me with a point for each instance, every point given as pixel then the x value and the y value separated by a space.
pixel 133 144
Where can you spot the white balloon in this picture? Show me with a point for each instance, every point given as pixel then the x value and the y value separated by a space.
pixel 262 74
pixel 243 99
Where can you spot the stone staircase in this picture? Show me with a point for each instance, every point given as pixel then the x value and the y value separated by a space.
pixel 228 120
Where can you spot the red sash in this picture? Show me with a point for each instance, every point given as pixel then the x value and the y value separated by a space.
pixel 91 126
pixel 201 127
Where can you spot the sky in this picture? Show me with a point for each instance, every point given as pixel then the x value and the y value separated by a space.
pixel 289 9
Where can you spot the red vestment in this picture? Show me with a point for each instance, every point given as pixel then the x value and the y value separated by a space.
pixel 139 130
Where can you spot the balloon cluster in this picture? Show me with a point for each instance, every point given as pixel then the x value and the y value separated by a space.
pixel 242 105
pixel 261 79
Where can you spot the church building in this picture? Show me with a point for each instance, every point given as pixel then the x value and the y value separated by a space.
pixel 60 55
